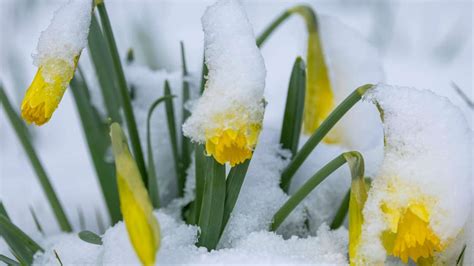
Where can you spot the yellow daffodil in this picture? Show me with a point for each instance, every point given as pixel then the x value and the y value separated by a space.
pixel 228 116
pixel 58 51
pixel 142 226
pixel 411 212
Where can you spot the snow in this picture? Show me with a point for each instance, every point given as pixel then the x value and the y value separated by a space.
pixel 236 78
pixel 427 158
pixel 66 35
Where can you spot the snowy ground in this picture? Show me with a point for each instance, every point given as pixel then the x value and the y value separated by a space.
pixel 418 47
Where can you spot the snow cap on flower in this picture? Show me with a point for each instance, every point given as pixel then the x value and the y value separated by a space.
pixel 421 198
pixel 58 51
pixel 229 114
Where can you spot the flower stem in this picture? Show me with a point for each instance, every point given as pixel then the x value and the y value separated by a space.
pixel 122 84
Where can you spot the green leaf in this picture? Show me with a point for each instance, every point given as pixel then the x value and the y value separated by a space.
pixel 234 182
pixel 8 261
pixel 35 219
pixel 96 134
pixel 35 162
pixel 152 178
pixel 204 73
pixel 3 211
pixel 293 117
pixel 460 260
pixel 212 209
pixel 186 146
pixel 304 191
pixel 21 244
pixel 341 212
pixel 124 93
pixel 170 118
pixel 90 237
pixel 319 134
pixel 200 174
pixel 102 62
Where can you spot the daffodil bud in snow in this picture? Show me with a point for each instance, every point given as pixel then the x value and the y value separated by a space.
pixel 58 51
pixel 421 198
pixel 228 116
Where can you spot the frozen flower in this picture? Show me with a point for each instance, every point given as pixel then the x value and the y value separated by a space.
pixel 58 51
pixel 420 200
pixel 228 117
pixel 142 226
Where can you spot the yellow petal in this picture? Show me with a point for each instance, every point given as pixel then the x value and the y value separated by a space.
pixel 142 226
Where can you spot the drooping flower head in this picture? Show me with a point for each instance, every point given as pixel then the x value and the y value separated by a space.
pixel 58 51
pixel 228 116
pixel 420 200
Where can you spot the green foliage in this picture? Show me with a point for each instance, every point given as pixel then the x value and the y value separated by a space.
pixel 90 237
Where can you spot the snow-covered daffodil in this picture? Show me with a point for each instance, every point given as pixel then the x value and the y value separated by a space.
pixel 58 52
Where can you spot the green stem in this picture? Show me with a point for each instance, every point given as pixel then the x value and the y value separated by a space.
pixel 307 187
pixel 320 133
pixel 186 146
pixel 269 30
pixel 341 212
pixel 200 172
pixel 122 84
pixel 38 168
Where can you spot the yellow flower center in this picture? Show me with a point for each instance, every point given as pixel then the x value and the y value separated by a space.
pixel 46 91
pixel 232 145
pixel 410 235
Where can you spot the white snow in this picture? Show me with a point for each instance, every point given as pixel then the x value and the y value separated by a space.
pixel 428 156
pixel 66 35
pixel 236 78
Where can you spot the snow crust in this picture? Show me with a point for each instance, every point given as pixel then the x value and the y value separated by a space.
pixel 236 78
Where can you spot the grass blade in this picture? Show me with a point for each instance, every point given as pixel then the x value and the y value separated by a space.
pixel 90 237
pixel 102 62
pixel 35 219
pixel 212 209
pixel 170 118
pixel 186 146
pixel 96 133
pixel 341 212
pixel 8 261
pixel 319 134
pixel 152 178
pixel 35 162
pixel 3 211
pixel 200 175
pixel 305 189
pixel 234 182
pixel 20 244
pixel 293 117
pixel 124 93
pixel 460 260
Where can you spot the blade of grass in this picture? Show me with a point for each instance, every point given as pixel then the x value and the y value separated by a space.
pixel 124 93
pixel 200 174
pixel 293 117
pixel 234 182
pixel 8 261
pixel 35 162
pixel 341 212
pixel 58 258
pixel 152 178
pixel 170 118
pixel 90 237
pixel 460 260
pixel 96 133
pixel 102 62
pixel 100 221
pixel 204 73
pixel 21 244
pixel 3 211
pixel 212 208
pixel 186 146
pixel 82 221
pixel 319 134
pixel 35 219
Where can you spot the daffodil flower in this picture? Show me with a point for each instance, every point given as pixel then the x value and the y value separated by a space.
pixel 59 49
pixel 142 226
pixel 420 200
pixel 228 116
